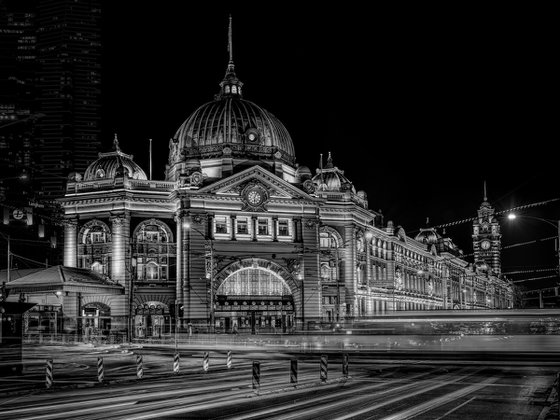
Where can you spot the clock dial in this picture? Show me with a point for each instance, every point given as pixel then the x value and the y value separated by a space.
pixel 485 244
pixel 254 197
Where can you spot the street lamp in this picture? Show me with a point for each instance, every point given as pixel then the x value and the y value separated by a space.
pixel 556 225
pixel 209 272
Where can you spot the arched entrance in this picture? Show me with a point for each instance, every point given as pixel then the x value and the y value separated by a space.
pixel 254 298
pixel 151 319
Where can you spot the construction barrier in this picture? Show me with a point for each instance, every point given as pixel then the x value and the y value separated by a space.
pixel 176 363
pixel 324 368
pixel 256 375
pixel 228 359
pixel 345 365
pixel 293 371
pixel 100 372
pixel 205 361
pixel 139 367
pixel 49 374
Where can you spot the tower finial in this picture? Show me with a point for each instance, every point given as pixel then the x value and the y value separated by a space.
pixel 116 143
pixel 485 198
pixel 329 161
pixel 230 41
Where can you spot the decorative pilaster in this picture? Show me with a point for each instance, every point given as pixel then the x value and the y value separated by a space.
pixel 120 233
pixel 70 242
pixel 275 228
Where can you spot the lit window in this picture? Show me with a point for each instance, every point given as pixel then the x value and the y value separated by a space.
pixel 327 240
pixel 242 227
pixel 100 173
pixel 152 271
pixel 97 267
pixel 97 237
pixel 221 225
pixel 227 89
pixel 234 89
pixel 262 227
pixel 283 228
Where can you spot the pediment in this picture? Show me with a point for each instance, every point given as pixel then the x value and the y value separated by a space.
pixel 275 187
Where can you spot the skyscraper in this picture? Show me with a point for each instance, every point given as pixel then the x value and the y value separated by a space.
pixel 68 90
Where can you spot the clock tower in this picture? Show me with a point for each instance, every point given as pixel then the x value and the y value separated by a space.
pixel 487 239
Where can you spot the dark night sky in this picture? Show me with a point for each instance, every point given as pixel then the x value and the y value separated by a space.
pixel 417 105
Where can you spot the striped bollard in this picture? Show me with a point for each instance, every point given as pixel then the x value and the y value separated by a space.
pixel 228 359
pixel 49 373
pixel 293 371
pixel 205 361
pixel 100 373
pixel 345 365
pixel 139 368
pixel 256 375
pixel 324 368
pixel 176 363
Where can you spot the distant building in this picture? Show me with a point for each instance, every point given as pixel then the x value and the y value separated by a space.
pixel 50 124
pixel 240 237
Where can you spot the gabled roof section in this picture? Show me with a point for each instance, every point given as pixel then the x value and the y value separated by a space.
pixel 65 279
pixel 277 187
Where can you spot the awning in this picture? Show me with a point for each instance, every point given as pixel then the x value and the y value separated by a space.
pixel 65 279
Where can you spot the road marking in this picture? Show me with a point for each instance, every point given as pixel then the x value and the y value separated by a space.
pixel 456 408
pixel 437 402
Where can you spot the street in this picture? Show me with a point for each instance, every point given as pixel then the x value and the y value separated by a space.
pixel 379 385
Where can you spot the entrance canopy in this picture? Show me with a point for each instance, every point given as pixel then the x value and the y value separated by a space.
pixel 65 279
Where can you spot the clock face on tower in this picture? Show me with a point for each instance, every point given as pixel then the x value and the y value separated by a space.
pixel 485 244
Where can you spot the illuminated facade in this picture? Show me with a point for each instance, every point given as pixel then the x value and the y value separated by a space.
pixel 240 237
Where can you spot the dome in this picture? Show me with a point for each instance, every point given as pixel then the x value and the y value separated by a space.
pixel 330 178
pixel 229 127
pixel 112 164
pixel 241 125
pixel 428 236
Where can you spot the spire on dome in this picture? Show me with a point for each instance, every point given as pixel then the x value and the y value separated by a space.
pixel 329 162
pixel 485 198
pixel 116 143
pixel 231 85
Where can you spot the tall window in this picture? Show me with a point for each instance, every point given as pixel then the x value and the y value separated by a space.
pixel 262 227
pixel 283 228
pixel 242 226
pixel 221 224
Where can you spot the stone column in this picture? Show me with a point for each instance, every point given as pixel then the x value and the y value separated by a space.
pixel 70 242
pixel 120 236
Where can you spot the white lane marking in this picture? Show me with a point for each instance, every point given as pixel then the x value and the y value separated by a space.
pixel 437 402
pixel 456 408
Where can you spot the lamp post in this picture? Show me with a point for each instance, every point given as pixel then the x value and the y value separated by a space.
pixel 209 272
pixel 556 225
pixel 8 267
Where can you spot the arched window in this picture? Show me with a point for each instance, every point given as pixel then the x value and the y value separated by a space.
pixel 234 89
pixel 254 282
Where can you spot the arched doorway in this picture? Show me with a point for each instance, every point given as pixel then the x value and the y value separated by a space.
pixel 151 319
pixel 254 299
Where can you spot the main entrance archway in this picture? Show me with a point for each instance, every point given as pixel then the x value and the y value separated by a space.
pixel 254 298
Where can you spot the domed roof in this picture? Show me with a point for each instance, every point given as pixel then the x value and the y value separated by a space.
pixel 241 125
pixel 231 126
pixel 330 178
pixel 427 236
pixel 112 164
